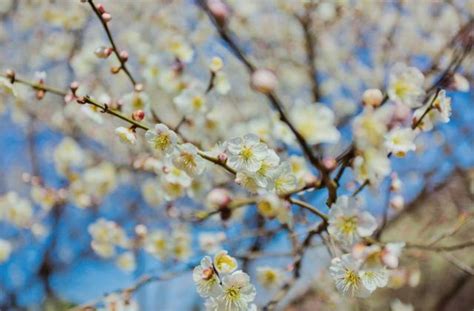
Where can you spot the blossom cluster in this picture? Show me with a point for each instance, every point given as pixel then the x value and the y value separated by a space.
pixel 224 287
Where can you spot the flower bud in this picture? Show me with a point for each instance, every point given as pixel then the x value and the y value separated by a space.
pixel 106 17
pixel 372 97
pixel 460 83
pixel 139 87
pixel 102 52
pixel 219 11
pixel 10 74
pixel 138 115
pixel 222 157
pixel 100 7
pixel 124 56
pixel 218 198
pixel 216 64
pixel 40 94
pixel 330 163
pixel 74 86
pixel 397 202
pixel 263 81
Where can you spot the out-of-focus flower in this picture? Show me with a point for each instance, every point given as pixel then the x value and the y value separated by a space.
pixel 188 160
pixel 157 244
pixel 315 122
pixel 16 210
pixel 441 112
pixel 399 141
pixel 372 165
pixel 5 250
pixel 282 180
pixel 269 277
pixel 126 135
pixel 210 242
pixel 191 102
pixel 126 262
pixel 406 85
pixel 67 155
pixel 347 223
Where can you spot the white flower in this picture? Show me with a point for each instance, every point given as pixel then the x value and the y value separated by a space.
pixel 5 250
pixel 237 292
pixel 101 179
pixel 264 173
pixel 151 192
pixel 181 243
pixel 372 164
pixel 191 102
pixel 157 244
pixel 126 262
pixel 346 273
pixel 405 85
pixel 400 140
pixel 181 49
pixel 16 210
pixel 162 139
pixel 136 101
pixel 315 122
pixel 221 83
pixel 270 277
pixel 106 235
pixel 176 176
pixel 188 160
pixel 210 242
pixel 282 179
pixel 347 223
pixel 126 135
pixel 441 112
pixel 391 254
pixel 370 127
pixel 269 205
pixel 224 263
pixel 246 153
pixel 374 278
pixel 67 154
pixel 207 282
pixel 247 180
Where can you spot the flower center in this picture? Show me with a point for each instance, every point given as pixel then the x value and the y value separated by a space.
pixel 246 153
pixel 351 278
pixel 162 141
pixel 348 224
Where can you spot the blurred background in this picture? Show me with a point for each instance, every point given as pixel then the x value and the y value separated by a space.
pixel 52 265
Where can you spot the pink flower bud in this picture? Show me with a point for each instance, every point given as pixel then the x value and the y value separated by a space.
pixel 124 56
pixel 330 163
pixel 372 97
pixel 100 8
pixel 74 86
pixel 102 52
pixel 106 17
pixel 397 202
pixel 222 157
pixel 219 198
pixel 138 115
pixel 263 81
pixel 219 11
